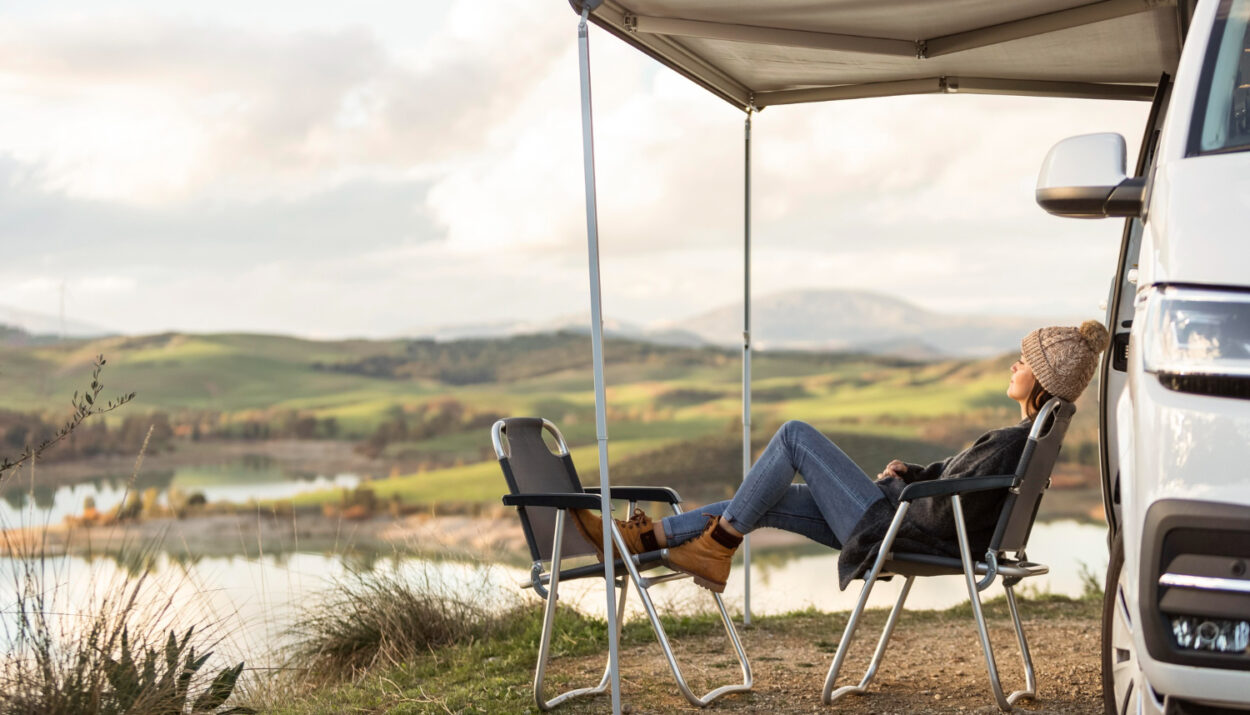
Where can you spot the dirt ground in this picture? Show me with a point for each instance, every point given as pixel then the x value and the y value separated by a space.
pixel 934 664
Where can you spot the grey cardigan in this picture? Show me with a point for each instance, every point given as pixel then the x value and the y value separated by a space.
pixel 929 527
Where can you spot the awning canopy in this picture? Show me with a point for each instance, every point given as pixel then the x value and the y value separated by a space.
pixel 756 53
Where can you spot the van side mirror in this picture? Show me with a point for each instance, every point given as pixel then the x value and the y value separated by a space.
pixel 1083 177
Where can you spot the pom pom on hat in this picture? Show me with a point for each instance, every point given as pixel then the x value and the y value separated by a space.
pixel 1063 359
pixel 1095 335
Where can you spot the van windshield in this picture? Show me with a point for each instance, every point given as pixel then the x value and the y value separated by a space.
pixel 1221 119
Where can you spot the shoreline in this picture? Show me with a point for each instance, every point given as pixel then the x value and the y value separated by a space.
pixel 324 456
pixel 266 532
pixel 492 532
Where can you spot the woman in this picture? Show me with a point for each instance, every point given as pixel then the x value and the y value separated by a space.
pixel 840 506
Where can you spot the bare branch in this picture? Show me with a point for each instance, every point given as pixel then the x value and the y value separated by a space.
pixel 86 404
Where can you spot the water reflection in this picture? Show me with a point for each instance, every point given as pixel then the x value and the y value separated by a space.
pixel 255 477
pixel 252 600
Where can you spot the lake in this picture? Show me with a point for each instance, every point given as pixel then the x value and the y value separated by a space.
pixel 252 601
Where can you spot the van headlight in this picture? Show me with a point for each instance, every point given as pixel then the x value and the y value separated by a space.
pixel 1216 634
pixel 1198 340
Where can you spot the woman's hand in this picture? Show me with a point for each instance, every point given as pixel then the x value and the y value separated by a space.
pixel 896 468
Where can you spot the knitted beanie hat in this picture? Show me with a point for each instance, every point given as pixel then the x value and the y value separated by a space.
pixel 1063 359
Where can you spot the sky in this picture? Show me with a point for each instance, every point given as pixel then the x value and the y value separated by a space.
pixel 380 168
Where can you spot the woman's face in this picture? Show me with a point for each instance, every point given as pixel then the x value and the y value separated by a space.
pixel 1022 381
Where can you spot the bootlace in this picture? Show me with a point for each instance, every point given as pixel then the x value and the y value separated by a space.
pixel 639 519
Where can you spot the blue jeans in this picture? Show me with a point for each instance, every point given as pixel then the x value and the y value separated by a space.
pixel 825 509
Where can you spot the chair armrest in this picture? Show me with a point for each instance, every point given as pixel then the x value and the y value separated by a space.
pixel 557 500
pixel 947 487
pixel 657 494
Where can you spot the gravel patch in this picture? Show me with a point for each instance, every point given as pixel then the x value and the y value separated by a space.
pixel 934 664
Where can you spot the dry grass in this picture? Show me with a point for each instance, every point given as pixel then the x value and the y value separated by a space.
pixel 99 648
pixel 382 618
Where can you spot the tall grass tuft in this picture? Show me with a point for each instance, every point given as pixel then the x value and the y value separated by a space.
pixel 1091 583
pixel 86 648
pixel 386 617
pixel 101 652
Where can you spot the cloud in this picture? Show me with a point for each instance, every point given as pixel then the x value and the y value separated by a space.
pixel 210 264
pixel 661 151
pixel 49 228
pixel 929 196
pixel 669 160
pixel 148 108
pixel 200 172
pixel 106 285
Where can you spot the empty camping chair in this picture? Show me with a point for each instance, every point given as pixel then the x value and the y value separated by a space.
pixel 1024 493
pixel 543 486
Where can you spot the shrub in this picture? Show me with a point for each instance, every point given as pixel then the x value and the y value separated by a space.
pixel 62 660
pixel 386 618
pixel 151 689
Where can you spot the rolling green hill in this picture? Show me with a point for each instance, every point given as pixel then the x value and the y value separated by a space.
pixel 674 412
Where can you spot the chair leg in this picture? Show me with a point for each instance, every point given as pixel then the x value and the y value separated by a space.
pixel 1030 681
pixel 830 695
pixel 848 634
pixel 544 643
pixel 974 595
pixel 662 637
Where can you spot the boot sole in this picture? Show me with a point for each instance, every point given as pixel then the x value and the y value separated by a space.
pixel 709 585
pixel 716 586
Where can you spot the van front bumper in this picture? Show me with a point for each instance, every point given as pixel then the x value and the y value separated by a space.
pixel 1194 600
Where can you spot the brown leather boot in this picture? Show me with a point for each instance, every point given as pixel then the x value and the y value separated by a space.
pixel 707 557
pixel 637 532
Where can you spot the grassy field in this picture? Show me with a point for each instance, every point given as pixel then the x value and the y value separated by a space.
pixel 233 373
pixel 674 413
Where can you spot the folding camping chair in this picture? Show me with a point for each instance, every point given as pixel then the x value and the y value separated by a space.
pixel 1024 494
pixel 543 486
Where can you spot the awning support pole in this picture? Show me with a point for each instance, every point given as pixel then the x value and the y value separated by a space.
pixel 596 343
pixel 746 355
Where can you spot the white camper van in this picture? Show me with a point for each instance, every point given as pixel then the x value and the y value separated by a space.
pixel 1175 388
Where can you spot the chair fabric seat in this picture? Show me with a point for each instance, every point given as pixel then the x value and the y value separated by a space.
pixel 909 564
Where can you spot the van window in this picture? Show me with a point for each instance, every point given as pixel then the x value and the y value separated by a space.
pixel 1221 119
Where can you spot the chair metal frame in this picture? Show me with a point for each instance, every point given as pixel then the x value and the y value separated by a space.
pixel 546 575
pixel 1015 522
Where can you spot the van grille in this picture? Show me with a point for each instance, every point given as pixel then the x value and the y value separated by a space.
pixel 1213 385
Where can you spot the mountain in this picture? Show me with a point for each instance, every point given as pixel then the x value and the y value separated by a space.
pixel 862 321
pixel 837 320
pixel 41 324
pixel 675 335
